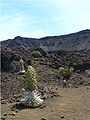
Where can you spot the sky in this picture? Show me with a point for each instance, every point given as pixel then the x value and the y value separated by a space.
pixel 41 18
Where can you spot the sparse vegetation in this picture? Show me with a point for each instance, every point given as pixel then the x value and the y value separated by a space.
pixel 36 54
pixel 66 72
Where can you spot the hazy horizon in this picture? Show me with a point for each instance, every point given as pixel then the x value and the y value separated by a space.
pixel 43 36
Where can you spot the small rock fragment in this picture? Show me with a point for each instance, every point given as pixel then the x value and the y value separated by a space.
pixel 56 88
pixel 45 89
pixel 42 106
pixel 10 101
pixel 51 110
pixel 3 118
pixel 44 119
pixel 3 102
pixel 5 114
pixel 62 116
pixel 16 110
pixel 13 114
pixel 17 100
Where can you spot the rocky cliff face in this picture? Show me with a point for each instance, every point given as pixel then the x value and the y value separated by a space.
pixel 79 41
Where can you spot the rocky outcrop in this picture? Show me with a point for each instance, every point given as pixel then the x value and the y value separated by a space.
pixel 9 60
pixel 78 60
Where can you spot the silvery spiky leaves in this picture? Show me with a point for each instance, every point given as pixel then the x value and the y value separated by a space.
pixel 32 98
pixel 22 70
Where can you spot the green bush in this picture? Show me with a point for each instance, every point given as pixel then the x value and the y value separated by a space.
pixel 66 72
pixel 36 54
pixel 31 81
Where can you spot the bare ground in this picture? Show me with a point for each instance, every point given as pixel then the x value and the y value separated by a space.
pixel 72 104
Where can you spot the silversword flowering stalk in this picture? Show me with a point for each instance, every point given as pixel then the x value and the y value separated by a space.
pixel 31 79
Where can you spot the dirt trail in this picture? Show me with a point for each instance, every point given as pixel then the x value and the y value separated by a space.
pixel 72 104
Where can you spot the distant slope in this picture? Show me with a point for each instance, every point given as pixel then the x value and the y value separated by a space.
pixel 79 41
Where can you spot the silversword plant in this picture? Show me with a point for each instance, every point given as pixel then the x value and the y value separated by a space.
pixel 21 62
pixel 32 98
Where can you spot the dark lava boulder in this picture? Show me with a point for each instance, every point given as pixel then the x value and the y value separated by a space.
pixel 9 60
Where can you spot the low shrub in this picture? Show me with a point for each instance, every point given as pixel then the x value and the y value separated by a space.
pixel 36 54
pixel 66 71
